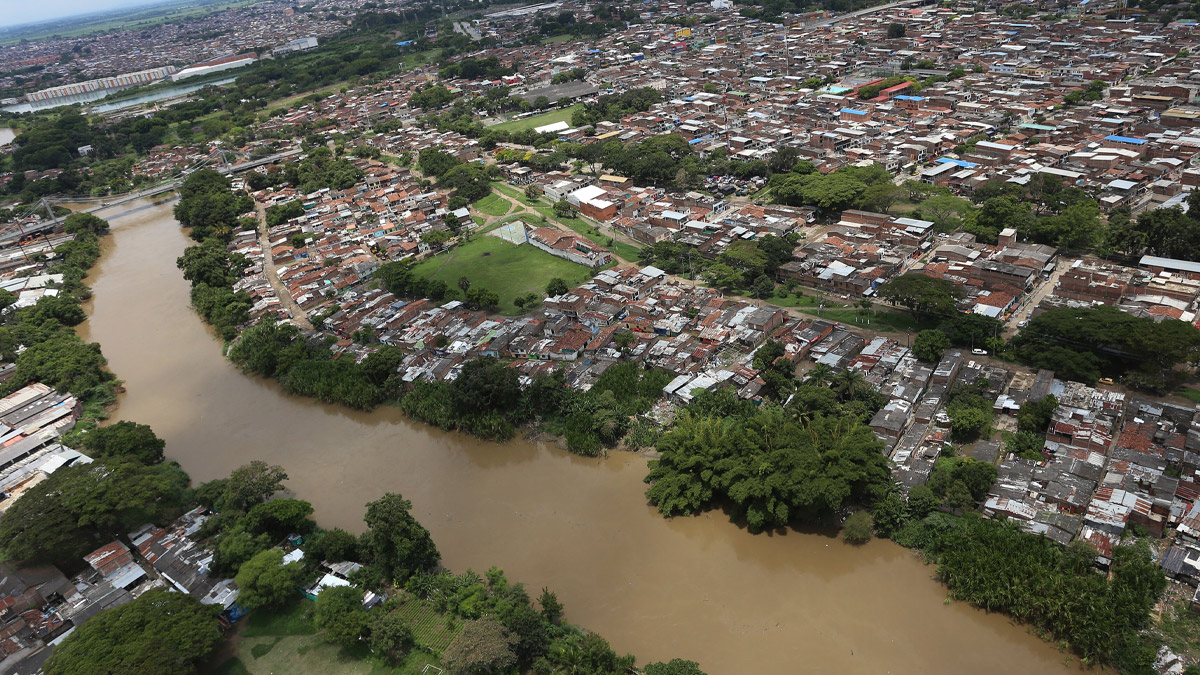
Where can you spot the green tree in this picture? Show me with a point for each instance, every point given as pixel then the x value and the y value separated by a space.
pixel 77 223
pixel 557 286
pixel 946 211
pixel 339 612
pixel 264 580
pixel 929 345
pixel 78 507
pixel 395 542
pixel 124 440
pixel 890 513
pixel 763 287
pixel 253 483
pixel 923 295
pixel 999 213
pixel 922 501
pixel 390 635
pixel 483 646
pixel 64 362
pixel 858 528
pixel 159 632
pixel 1034 416
pixel 895 30
pixel 881 197
pixel 673 667
pixel 552 609
pixel 976 476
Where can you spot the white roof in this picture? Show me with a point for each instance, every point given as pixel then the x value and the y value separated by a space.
pixel 552 128
pixel 587 194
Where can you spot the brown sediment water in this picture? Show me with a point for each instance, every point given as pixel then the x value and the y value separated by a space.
pixel 698 588
pixel 6 135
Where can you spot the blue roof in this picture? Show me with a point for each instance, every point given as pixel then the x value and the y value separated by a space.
pixel 852 111
pixel 404 43
pixel 1126 139
pixel 695 141
pixel 909 98
pixel 958 162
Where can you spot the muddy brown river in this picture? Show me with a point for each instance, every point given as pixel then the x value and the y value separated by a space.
pixel 699 588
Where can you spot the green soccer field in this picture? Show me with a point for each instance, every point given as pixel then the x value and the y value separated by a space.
pixel 497 265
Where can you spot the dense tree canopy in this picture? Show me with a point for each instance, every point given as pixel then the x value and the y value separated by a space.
pixel 395 542
pixel 265 580
pixel 124 440
pixel 159 632
pixel 923 295
pixel 770 468
pixel 339 612
pixel 930 344
pixel 1080 344
pixel 81 507
pixel 1050 586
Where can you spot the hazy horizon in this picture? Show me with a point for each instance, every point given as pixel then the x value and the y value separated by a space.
pixel 48 10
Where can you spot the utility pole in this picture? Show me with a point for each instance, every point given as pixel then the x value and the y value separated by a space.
pixel 50 213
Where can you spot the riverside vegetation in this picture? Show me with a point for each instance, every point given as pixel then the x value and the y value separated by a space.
pixel 130 483
pixel 807 462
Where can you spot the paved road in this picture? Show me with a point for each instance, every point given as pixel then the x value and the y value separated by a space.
pixel 863 12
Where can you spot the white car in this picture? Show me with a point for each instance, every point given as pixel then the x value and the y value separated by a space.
pixel 979 352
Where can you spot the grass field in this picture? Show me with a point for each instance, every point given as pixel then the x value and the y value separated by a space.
pixel 514 192
pixel 1189 393
pixel 492 205
pixel 560 115
pixel 497 265
pixel 286 641
pixel 289 101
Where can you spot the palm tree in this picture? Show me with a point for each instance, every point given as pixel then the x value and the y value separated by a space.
pixel 847 384
pixel 818 375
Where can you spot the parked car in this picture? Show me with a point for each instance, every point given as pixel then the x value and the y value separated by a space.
pixel 1106 380
pixel 979 352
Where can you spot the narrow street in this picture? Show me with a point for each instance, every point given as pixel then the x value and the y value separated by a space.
pixel 272 275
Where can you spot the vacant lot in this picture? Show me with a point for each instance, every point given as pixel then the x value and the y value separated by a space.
pixel 499 266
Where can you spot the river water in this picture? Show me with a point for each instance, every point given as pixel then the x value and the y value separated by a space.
pixel 699 588
pixel 91 96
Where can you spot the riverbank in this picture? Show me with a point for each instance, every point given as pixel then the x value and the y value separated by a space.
pixel 695 587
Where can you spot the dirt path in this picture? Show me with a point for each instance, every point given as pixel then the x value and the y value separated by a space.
pixel 272 274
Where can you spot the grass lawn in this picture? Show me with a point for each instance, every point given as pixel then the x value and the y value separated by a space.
pixel 557 38
pixel 309 654
pixel 492 205
pixel 292 619
pixel 289 101
pixel 560 115
pixel 285 641
pixel 515 192
pixel 877 320
pixel 499 266
pixel 414 59
pixel 1189 393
